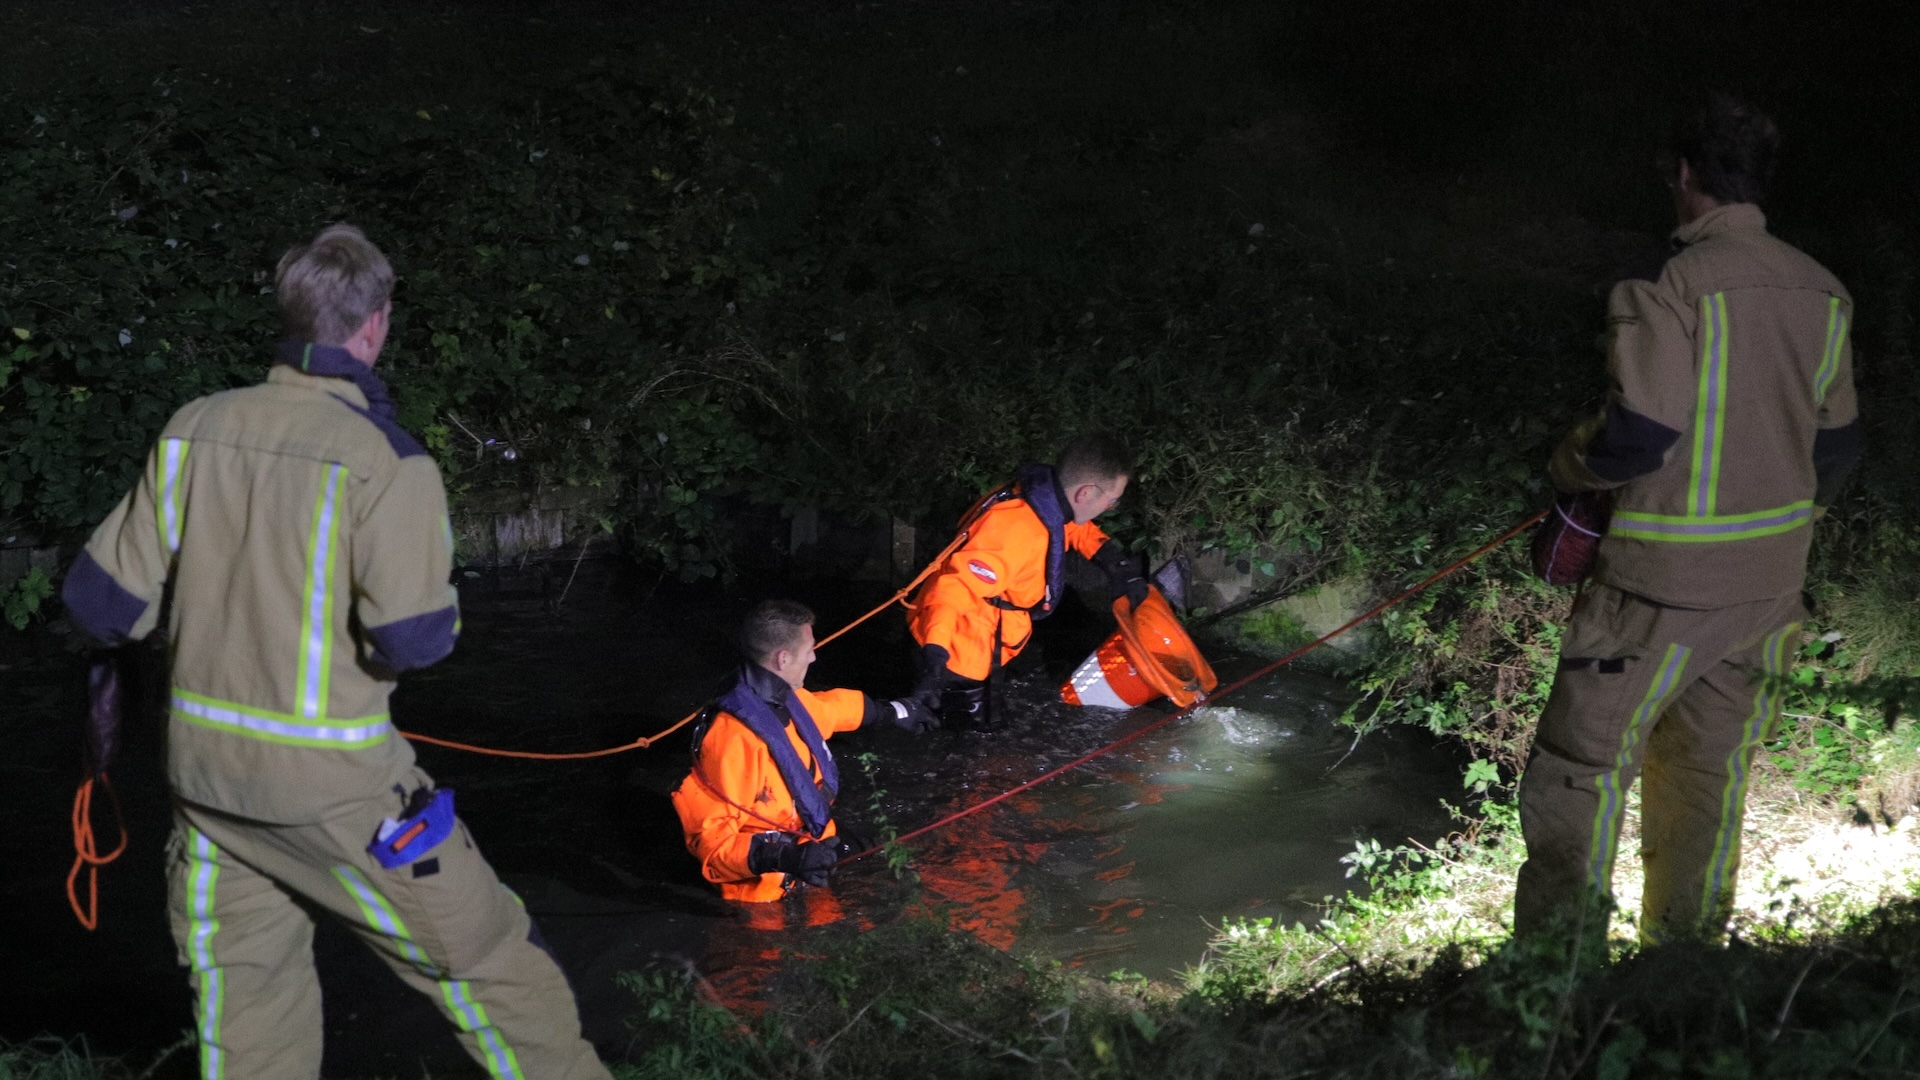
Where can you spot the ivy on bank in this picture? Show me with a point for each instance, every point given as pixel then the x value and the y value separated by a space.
pixel 561 267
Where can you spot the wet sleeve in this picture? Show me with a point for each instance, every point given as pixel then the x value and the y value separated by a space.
pixel 402 563
pixel 1650 395
pixel 836 711
pixel 728 776
pixel 112 591
pixel 1086 538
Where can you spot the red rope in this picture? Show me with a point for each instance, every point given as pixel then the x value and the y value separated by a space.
pixel 1238 684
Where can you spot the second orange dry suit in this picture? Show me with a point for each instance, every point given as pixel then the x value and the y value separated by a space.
pixel 981 604
pixel 761 766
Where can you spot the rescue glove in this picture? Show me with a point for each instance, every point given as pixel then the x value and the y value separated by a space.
pixel 911 716
pixel 778 852
pixel 1126 573
pixel 933 676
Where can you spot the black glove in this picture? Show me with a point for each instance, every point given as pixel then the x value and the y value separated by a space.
pixel 1126 574
pixel 933 676
pixel 911 716
pixel 784 853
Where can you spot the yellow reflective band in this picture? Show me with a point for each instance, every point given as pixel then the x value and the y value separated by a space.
pixel 316 639
pixel 282 728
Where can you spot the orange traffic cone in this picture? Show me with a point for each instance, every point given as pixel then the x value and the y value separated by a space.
pixel 1150 656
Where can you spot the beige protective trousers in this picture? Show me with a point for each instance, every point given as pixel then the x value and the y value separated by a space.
pixel 1681 695
pixel 239 896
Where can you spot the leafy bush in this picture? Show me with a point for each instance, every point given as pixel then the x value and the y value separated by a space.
pixel 562 267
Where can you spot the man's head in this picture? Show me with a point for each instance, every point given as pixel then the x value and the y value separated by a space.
pixel 1093 471
pixel 1722 151
pixel 778 635
pixel 336 289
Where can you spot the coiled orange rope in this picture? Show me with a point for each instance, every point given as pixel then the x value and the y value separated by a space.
pixel 86 852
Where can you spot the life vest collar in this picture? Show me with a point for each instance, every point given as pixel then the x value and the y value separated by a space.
pixel 765 703
pixel 1039 487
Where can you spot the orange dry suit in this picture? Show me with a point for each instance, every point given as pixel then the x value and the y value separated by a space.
pixel 1011 570
pixel 761 764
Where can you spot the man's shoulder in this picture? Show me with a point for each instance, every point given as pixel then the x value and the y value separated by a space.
pixel 725 726
pixel 728 738
pixel 302 421
pixel 1011 519
pixel 1746 259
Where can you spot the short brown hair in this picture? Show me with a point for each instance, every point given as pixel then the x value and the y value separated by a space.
pixel 329 285
pixel 1731 147
pixel 773 625
pixel 1093 459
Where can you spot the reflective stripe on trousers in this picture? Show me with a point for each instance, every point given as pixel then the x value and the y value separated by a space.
pixel 202 876
pixel 1612 810
pixel 1733 797
pixel 467 1012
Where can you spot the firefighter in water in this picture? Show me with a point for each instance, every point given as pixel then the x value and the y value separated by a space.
pixel 757 805
pixel 977 611
pixel 1731 424
pixel 305 539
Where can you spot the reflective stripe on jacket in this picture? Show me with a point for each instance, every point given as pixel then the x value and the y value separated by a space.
pixel 735 791
pixel 1731 414
pixel 307 542
pixel 985 591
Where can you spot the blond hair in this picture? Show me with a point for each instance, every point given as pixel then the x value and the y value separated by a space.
pixel 329 285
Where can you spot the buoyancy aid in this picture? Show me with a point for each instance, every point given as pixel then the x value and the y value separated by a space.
pixel 747 702
pixel 1039 488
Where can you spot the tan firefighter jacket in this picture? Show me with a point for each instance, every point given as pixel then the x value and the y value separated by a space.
pixel 306 540
pixel 1731 417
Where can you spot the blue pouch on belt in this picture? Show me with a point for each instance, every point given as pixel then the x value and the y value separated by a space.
pixel 401 842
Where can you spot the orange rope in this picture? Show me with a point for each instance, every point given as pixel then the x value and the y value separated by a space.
pixel 86 851
pixel 648 740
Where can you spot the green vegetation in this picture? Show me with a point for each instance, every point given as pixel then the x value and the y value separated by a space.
pixel 1336 269
pixel 915 1001
pixel 49 1058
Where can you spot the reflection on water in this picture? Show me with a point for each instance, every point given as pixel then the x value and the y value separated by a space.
pixel 1119 864
pixel 1240 809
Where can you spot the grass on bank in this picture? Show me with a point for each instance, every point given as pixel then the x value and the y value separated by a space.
pixel 1417 977
pixel 864 270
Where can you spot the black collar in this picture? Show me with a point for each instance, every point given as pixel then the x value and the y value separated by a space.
pixel 334 362
pixel 771 688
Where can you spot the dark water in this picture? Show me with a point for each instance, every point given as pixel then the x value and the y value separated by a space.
pixel 1237 810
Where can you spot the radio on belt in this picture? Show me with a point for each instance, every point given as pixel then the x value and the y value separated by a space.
pixel 429 820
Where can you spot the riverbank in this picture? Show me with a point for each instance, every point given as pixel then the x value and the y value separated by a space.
pixel 1336 272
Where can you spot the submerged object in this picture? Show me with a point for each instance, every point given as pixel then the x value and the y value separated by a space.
pixel 1149 656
